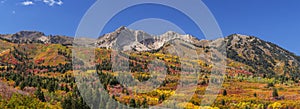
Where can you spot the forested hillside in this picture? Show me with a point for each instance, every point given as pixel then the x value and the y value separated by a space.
pixel 36 71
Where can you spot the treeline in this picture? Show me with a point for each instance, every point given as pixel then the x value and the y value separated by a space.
pixel 30 80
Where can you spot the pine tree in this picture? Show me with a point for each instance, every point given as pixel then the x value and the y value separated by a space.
pixel 132 103
pixel 144 103
pixel 103 100
pixel 67 102
pixel 111 104
pixel 275 92
pixel 51 86
pixel 22 86
pixel 108 104
pixel 224 93
pixel 223 102
pixel 40 94
pixel 96 99
pixel 162 97
pixel 66 88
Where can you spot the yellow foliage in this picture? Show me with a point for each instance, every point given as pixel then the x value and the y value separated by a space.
pixel 244 105
pixel 192 106
pixel 275 105
pixel 152 101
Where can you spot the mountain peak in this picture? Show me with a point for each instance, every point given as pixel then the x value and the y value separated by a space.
pixel 239 36
pixel 29 34
pixel 170 32
pixel 29 31
pixel 128 39
pixel 121 28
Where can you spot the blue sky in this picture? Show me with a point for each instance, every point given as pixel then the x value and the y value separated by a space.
pixel 277 21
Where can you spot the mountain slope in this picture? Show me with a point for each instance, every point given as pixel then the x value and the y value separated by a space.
pixel 263 56
pixel 247 53
pixel 30 61
pixel 257 56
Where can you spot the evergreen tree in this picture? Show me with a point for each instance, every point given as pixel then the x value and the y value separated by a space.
pixel 66 88
pixel 224 92
pixel 96 99
pixel 119 105
pixel 275 92
pixel 51 86
pixel 67 103
pixel 144 103
pixel 223 102
pixel 103 100
pixel 111 104
pixel 162 97
pixel 132 103
pixel 22 86
pixel 40 94
pixel 74 102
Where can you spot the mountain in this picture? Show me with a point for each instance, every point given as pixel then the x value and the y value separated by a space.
pixel 30 60
pixel 32 47
pixel 264 57
pixel 36 37
pixel 253 54
pixel 246 53
pixel 127 39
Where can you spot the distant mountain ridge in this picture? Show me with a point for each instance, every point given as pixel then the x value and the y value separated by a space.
pixel 36 37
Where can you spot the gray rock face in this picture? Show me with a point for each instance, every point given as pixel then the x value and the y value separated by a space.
pixel 125 39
